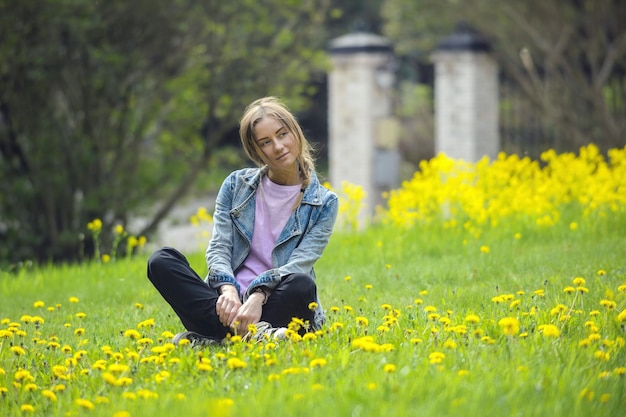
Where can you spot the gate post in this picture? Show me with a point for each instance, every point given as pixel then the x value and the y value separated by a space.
pixel 363 134
pixel 466 96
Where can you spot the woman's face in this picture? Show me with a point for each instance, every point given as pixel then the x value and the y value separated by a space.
pixel 278 148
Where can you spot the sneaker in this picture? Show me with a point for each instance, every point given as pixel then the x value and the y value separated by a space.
pixel 265 331
pixel 195 339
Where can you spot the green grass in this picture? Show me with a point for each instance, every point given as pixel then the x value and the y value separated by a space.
pixel 393 276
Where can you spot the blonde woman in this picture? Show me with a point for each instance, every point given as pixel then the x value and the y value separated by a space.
pixel 271 224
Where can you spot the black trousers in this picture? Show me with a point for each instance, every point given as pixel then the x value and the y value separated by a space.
pixel 193 300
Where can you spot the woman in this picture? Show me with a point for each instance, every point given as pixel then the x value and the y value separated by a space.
pixel 271 224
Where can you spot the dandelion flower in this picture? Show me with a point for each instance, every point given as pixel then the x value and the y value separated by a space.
pixel 389 368
pixel 569 290
pixel 509 325
pixel 18 350
pixel 236 363
pixel 602 355
pixel 449 344
pixel 49 394
pixel 86 404
pixel 472 319
pixel 436 358
pixel 318 362
pixel 550 330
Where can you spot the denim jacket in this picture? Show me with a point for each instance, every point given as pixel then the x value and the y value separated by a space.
pixel 298 247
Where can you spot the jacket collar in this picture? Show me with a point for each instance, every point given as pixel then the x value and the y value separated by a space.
pixel 312 193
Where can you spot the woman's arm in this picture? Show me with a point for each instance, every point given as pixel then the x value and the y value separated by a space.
pixel 220 249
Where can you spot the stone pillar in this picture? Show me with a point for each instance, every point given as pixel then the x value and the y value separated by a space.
pixel 363 134
pixel 466 96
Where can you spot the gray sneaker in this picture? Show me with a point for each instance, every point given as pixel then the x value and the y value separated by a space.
pixel 195 339
pixel 264 332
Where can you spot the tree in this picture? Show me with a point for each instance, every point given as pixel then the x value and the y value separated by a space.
pixel 568 57
pixel 108 106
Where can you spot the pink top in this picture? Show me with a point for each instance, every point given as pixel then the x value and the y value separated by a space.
pixel 274 205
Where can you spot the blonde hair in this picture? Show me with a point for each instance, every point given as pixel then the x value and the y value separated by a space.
pixel 272 107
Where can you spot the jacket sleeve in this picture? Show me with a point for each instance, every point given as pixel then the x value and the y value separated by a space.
pixel 309 250
pixel 220 250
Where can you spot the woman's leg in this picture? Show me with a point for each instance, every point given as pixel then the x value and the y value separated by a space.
pixel 190 297
pixel 290 299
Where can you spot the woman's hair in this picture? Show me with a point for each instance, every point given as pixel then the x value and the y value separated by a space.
pixel 272 107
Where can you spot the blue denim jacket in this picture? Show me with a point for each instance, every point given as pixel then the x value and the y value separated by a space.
pixel 298 247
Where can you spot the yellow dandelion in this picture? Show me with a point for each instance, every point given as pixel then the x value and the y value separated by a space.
pixel 509 325
pixel 579 281
pixel 602 355
pixel 389 368
pixel 472 318
pixel 550 330
pixel 18 350
pixel 132 333
pixel 362 321
pixel 27 408
pixel 436 358
pixel 84 403
pixel 236 363
pixel 49 394
pixel 318 363
pixel 30 387
pixel 313 305
pixel 449 344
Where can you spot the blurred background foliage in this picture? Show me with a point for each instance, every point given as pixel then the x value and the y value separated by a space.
pixel 110 109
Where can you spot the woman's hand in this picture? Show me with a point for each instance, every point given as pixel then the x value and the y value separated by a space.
pixel 249 313
pixel 228 305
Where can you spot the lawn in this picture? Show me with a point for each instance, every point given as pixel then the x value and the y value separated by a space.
pixel 519 313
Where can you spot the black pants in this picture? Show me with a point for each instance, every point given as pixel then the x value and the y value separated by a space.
pixel 193 300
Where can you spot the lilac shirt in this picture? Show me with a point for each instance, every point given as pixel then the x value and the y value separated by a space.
pixel 274 205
